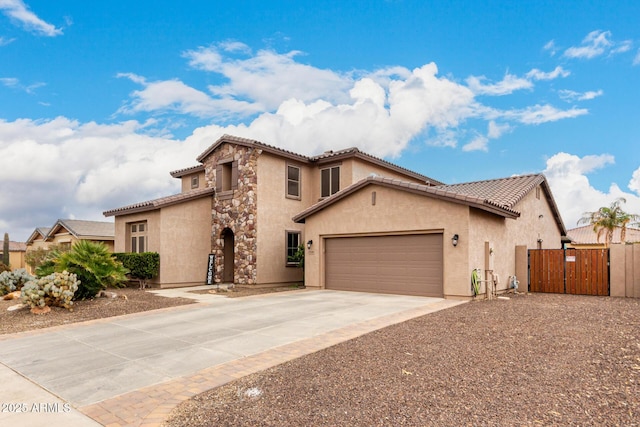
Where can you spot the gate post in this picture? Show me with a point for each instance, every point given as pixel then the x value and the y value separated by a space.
pixel 617 269
pixel 522 268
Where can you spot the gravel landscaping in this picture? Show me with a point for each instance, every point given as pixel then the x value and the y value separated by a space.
pixel 127 300
pixel 539 359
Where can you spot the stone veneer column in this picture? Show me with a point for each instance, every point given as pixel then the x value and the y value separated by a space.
pixel 237 213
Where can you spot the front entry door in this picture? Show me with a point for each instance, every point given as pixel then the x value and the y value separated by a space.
pixel 229 243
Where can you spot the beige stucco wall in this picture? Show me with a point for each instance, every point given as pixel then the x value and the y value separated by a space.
pixel 352 170
pixel 394 212
pixel 16 259
pixel 624 270
pixel 275 211
pixel 535 222
pixel 186 181
pixel 185 242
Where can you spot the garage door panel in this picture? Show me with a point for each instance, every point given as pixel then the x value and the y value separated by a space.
pixel 406 264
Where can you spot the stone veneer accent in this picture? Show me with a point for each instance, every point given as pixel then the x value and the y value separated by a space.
pixel 238 213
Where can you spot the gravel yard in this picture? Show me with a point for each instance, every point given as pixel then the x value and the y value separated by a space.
pixel 128 300
pixel 539 359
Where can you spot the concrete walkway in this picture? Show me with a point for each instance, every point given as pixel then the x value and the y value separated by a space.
pixel 133 370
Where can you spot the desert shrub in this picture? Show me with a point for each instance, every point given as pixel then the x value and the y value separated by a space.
pixel 47 263
pixel 13 280
pixel 57 290
pixel 4 267
pixel 36 257
pixel 94 266
pixel 142 266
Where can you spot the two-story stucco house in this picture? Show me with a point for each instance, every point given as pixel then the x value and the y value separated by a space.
pixel 361 219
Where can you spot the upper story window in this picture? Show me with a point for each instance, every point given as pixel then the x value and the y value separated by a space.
pixel 329 181
pixel 195 181
pixel 227 175
pixel 138 231
pixel 293 182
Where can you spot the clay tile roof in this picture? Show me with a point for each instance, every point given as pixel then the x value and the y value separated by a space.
pixel 503 192
pixel 161 202
pixel 82 228
pixel 440 192
pixel 586 236
pixel 327 156
pixel 186 171
pixel 17 246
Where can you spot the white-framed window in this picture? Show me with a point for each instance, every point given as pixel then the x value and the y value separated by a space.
pixel 293 182
pixel 138 233
pixel 293 242
pixel 195 181
pixel 329 181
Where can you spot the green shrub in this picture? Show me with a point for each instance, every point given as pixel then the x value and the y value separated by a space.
pixel 57 289
pixel 142 266
pixel 13 280
pixel 95 267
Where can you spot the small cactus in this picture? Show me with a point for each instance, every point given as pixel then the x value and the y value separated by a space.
pixel 56 289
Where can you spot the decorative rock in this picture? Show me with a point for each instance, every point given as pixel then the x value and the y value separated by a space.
pixel 12 295
pixel 16 307
pixel 44 310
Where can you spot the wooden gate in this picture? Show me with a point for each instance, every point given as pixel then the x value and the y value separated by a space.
pixel 569 271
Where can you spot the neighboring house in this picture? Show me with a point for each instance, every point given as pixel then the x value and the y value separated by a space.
pixel 16 254
pixel 586 238
pixel 66 232
pixel 366 224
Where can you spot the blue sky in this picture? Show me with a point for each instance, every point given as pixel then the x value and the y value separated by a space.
pixel 100 101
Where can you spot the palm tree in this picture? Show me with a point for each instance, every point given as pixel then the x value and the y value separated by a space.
pixel 607 219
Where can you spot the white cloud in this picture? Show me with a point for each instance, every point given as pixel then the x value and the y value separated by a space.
pixel 568 177
pixel 636 59
pixel 570 95
pixel 13 83
pixel 268 77
pixel 5 41
pixel 497 130
pixel 175 96
pixel 598 43
pixel 538 114
pixel 551 47
pixel 18 11
pixel 536 74
pixel 61 168
pixel 479 143
pixel 506 86
pixel 634 183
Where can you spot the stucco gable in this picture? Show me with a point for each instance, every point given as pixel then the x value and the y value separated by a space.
pixel 40 233
pixel 424 190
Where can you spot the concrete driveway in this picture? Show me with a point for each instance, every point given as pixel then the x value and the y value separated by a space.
pixel 88 363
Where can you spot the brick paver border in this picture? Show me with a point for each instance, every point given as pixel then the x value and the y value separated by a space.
pixel 151 406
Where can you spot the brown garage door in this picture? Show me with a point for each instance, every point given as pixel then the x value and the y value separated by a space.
pixel 403 264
